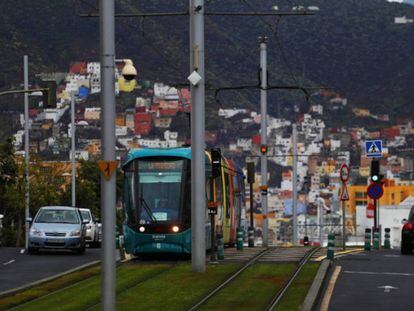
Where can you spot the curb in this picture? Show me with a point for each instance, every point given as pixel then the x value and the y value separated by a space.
pixel 16 290
pixel 316 287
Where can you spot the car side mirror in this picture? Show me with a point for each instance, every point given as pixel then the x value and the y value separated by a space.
pixel 85 221
pixel 29 220
pixel 403 221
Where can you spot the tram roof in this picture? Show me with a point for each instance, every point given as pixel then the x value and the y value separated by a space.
pixel 156 152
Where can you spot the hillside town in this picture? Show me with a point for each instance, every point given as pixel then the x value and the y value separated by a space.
pixel 159 116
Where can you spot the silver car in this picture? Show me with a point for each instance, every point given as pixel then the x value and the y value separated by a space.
pixel 57 227
pixel 93 228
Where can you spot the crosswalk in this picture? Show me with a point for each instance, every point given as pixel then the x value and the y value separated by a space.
pixel 275 254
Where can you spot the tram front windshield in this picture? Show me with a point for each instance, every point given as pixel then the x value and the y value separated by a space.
pixel 156 190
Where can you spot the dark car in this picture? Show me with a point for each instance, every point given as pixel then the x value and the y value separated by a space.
pixel 407 234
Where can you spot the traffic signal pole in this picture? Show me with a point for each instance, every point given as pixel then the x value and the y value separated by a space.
pixel 263 133
pixel 26 151
pixel 198 188
pixel 294 184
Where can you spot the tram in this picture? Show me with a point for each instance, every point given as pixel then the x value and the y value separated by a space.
pixel 157 200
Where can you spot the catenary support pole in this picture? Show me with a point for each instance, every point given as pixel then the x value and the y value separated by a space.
pixel 72 133
pixel 294 184
pixel 263 133
pixel 108 195
pixel 198 201
pixel 26 150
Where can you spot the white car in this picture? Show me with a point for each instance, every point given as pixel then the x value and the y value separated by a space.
pixel 93 228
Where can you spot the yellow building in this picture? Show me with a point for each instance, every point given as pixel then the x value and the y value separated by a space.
pixel 393 195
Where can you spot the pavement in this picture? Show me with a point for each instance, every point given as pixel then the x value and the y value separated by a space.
pixel 17 269
pixel 375 280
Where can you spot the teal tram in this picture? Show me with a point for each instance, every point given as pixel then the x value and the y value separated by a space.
pixel 157 200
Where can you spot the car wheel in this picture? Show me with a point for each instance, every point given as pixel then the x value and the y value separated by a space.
pixel 81 250
pixel 406 250
pixel 32 250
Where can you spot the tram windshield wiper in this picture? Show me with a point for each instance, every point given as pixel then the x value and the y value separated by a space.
pixel 148 210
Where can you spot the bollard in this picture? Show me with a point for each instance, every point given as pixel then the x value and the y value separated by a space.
pixel 331 247
pixel 387 243
pixel 251 237
pixel 220 246
pixel 376 239
pixel 367 246
pixel 239 239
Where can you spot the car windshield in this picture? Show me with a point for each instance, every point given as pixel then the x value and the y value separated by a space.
pixel 86 215
pixel 57 216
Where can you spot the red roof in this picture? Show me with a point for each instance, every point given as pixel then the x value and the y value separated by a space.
pixel 78 67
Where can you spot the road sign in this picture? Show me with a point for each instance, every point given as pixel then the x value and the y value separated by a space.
pixel 375 191
pixel 373 148
pixel 107 168
pixel 370 210
pixel 344 193
pixel 344 173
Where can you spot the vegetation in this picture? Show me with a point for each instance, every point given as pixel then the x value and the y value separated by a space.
pixel 295 295
pixel 152 287
pixel 84 293
pixel 253 289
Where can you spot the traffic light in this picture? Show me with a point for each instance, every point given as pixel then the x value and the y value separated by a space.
pixel 215 162
pixel 49 95
pixel 375 171
pixel 263 149
pixel 250 172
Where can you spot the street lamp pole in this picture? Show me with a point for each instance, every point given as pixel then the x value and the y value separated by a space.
pixel 108 194
pixel 198 179
pixel 72 132
pixel 263 133
pixel 26 149
pixel 294 184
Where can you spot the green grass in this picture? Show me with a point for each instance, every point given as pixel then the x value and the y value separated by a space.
pixel 253 289
pixel 46 288
pixel 177 289
pixel 295 295
pixel 86 293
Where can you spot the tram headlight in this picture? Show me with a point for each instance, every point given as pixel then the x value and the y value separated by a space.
pixel 142 229
pixel 175 229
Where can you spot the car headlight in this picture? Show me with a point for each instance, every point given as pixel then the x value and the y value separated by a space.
pixel 75 233
pixel 36 232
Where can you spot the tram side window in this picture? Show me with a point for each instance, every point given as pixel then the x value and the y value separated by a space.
pixel 129 200
pixel 219 197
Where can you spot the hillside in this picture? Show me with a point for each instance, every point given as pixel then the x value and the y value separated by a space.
pixel 352 46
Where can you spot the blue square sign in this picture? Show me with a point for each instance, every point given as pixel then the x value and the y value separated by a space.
pixel 373 148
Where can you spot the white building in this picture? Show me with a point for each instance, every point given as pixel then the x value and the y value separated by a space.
pixel 165 92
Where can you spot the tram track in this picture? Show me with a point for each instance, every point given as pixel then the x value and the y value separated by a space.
pixel 279 295
pixel 229 280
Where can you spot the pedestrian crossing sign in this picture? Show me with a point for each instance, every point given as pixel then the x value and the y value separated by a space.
pixel 373 148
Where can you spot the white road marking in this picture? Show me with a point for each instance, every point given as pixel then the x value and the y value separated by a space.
pixel 379 273
pixel 387 288
pixel 22 251
pixel 393 256
pixel 9 262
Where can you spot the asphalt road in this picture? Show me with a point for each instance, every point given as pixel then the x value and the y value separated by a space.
pixel 376 280
pixel 18 269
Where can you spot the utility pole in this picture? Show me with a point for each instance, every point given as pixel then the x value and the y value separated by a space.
pixel 198 188
pixel 263 133
pixel 294 184
pixel 72 130
pixel 26 150
pixel 108 194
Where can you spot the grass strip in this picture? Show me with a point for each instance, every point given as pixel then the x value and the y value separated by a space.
pixel 296 293
pixel 253 289
pixel 46 288
pixel 177 289
pixel 87 293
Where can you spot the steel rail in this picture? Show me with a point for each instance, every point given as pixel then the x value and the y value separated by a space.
pixel 229 280
pixel 282 291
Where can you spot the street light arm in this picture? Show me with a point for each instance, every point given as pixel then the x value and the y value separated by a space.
pixel 23 91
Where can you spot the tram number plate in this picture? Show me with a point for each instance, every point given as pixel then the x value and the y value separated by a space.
pixel 212 211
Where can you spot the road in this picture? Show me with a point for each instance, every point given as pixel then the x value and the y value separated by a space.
pixel 376 280
pixel 18 269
